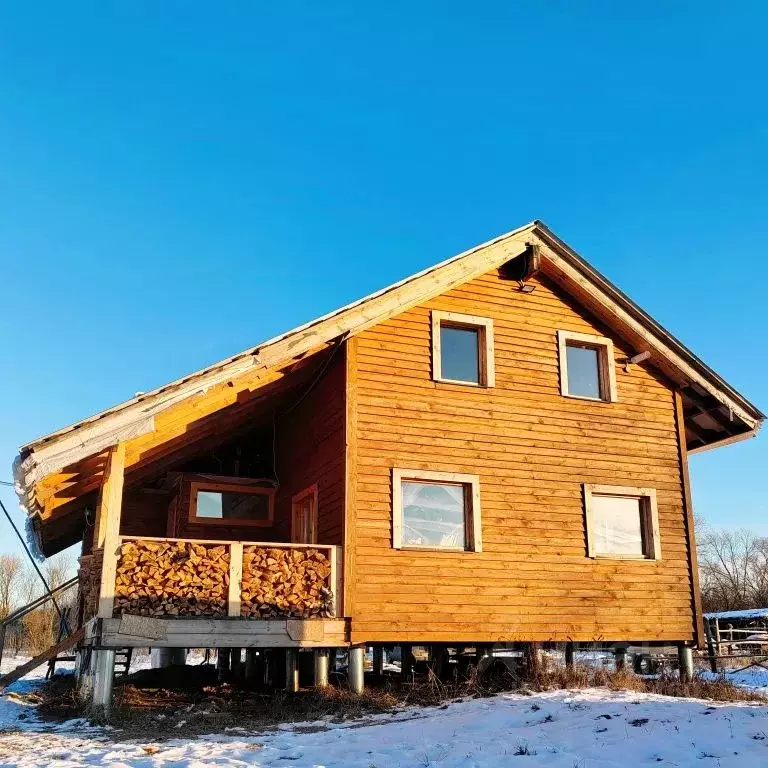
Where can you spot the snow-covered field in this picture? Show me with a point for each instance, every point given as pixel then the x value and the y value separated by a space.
pixel 564 729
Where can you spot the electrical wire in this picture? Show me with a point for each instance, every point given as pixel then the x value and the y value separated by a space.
pixel 37 568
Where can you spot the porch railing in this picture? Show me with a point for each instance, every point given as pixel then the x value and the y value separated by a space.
pixel 198 577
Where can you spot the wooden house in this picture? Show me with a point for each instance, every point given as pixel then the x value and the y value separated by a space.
pixel 492 450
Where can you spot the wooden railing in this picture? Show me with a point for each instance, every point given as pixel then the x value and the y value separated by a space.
pixel 198 577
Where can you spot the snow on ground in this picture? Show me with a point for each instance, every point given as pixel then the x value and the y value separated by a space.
pixel 593 728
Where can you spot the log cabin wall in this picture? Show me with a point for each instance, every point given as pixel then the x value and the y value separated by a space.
pixel 532 449
pixel 310 450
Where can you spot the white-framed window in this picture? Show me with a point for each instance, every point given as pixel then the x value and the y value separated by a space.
pixel 436 510
pixel 622 522
pixel 462 349
pixel 587 367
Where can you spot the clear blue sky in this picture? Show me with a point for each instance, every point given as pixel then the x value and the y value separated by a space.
pixel 181 180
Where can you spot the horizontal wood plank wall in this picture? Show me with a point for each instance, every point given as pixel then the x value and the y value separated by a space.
pixel 533 449
pixel 310 449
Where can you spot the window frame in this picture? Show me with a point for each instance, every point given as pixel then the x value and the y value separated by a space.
pixel 296 500
pixel 649 520
pixel 484 327
pixel 606 365
pixel 472 516
pixel 196 486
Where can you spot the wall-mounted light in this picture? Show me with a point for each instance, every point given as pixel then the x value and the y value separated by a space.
pixel 525 287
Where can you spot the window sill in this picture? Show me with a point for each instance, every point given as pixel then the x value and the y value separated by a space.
pixel 636 558
pixel 460 383
pixel 588 399
pixel 436 549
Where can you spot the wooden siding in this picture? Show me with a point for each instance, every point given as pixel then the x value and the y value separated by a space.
pixel 310 450
pixel 532 449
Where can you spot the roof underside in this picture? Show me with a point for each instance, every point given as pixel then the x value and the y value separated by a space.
pixel 61 471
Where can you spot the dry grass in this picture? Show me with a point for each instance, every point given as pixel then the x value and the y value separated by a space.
pixel 720 689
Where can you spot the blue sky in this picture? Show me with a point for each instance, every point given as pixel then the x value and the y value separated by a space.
pixel 179 181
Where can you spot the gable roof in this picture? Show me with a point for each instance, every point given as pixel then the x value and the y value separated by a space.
pixel 715 412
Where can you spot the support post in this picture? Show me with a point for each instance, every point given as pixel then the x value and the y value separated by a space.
pixel 168 657
pixel 236 663
pixel 107 534
pixel 569 654
pixel 222 663
pixel 321 667
pixel 378 661
pixel 356 670
pixel 406 662
pixel 620 656
pixel 685 658
pixel 710 646
pixel 292 670
pixel 531 656
pixel 235 578
pixel 250 666
pixel 103 675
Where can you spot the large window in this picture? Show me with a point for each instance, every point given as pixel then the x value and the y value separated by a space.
pixel 435 510
pixel 231 504
pixel 462 349
pixel 622 522
pixel 587 368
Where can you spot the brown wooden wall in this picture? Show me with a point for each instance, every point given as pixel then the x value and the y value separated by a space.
pixel 533 449
pixel 310 449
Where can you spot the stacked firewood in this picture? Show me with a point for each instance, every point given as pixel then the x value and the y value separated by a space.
pixel 286 582
pixel 89 584
pixel 172 578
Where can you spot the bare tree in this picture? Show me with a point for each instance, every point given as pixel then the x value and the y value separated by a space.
pixel 733 568
pixel 10 575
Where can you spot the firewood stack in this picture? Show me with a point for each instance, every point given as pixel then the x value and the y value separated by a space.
pixel 172 578
pixel 282 583
pixel 89 584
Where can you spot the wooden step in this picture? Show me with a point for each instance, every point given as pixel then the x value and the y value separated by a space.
pixel 54 650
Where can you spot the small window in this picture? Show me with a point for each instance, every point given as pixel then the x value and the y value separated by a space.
pixel 622 522
pixel 304 516
pixel 436 510
pixel 462 349
pixel 232 504
pixel 587 368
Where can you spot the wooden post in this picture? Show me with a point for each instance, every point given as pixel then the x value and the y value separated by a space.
pixel 569 654
pixel 378 661
pixel 321 667
pixel 103 675
pixel 710 646
pixel 356 670
pixel 236 663
pixel 685 657
pixel 620 655
pixel 222 663
pixel 406 663
pixel 107 532
pixel 235 578
pixel 531 657
pixel 718 638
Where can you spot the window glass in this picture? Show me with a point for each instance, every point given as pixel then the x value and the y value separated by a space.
pixel 227 505
pixel 583 371
pixel 618 525
pixel 460 357
pixel 434 515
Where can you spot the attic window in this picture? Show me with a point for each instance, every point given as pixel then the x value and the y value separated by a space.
pixel 462 349
pixel 221 503
pixel 587 368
